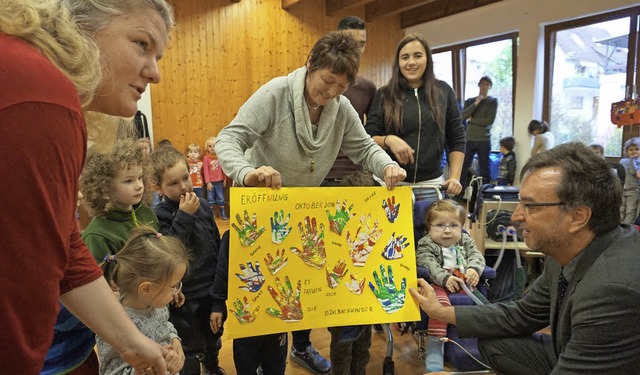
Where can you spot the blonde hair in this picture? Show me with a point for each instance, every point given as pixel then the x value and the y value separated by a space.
pixel 146 256
pixel 162 159
pixel 64 30
pixel 102 167
pixel 210 140
pixel 444 206
pixel 193 147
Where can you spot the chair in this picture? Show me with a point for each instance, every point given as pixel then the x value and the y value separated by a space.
pixel 452 353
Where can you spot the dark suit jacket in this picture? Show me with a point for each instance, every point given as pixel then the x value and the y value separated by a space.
pixel 598 328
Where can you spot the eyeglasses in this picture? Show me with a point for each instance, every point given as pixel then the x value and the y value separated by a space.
pixel 176 288
pixel 527 206
pixel 442 227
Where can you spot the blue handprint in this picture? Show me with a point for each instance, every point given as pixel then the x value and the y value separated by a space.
pixel 279 229
pixel 391 209
pixel 387 294
pixel 395 246
pixel 251 276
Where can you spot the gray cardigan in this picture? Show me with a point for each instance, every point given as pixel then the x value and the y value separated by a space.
pixel 273 128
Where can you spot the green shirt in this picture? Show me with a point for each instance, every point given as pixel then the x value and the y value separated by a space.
pixel 107 234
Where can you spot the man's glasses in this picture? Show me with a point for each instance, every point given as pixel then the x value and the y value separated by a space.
pixel 527 206
pixel 442 227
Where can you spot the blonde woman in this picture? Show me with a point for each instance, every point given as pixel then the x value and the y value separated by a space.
pixel 65 57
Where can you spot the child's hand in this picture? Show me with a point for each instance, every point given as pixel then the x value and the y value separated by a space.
pixel 175 356
pixel 189 203
pixel 215 321
pixel 178 299
pixel 209 186
pixel 453 284
pixel 472 278
pixel 224 183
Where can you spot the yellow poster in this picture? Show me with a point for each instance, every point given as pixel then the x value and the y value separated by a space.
pixel 303 258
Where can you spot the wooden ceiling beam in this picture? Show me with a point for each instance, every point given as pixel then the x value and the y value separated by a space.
pixel 382 8
pixel 286 4
pixel 336 6
pixel 439 9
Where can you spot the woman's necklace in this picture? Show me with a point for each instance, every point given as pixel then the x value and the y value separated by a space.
pixel 313 108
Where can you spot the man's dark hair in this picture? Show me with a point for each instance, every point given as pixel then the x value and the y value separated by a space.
pixel 508 142
pixel 586 181
pixel 486 79
pixel 351 23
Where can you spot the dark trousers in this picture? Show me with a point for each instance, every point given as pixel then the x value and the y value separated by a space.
pixel 268 352
pixel 199 343
pixel 528 355
pixel 301 339
pixel 483 149
pixel 349 349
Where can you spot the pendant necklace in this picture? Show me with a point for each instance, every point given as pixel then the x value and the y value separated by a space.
pixel 312 164
pixel 313 108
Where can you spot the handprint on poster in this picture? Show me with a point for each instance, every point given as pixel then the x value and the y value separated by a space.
pixel 364 240
pixel 342 216
pixel 275 264
pixel 251 276
pixel 248 230
pixel 288 300
pixel 312 236
pixel 298 277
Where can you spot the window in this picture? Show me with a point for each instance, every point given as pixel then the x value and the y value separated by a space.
pixel 589 64
pixel 462 66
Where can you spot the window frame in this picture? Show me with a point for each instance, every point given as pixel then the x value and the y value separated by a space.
pixel 459 62
pixel 633 60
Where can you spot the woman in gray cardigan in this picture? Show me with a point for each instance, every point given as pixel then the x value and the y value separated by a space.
pixel 289 133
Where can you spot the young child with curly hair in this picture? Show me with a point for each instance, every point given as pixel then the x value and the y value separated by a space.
pixel 112 183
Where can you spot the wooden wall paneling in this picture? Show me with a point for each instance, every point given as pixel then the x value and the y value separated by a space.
pixel 221 52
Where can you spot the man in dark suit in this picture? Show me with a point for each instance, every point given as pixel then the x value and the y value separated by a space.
pixel 589 291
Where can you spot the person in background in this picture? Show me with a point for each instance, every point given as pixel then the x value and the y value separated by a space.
pixel 588 293
pixel 145 146
pixel 165 143
pixel 185 215
pixel 543 138
pixel 453 260
pixel 415 116
pixel 616 168
pixel 360 94
pixel 215 178
pixel 290 131
pixel 480 113
pixel 147 272
pixel 631 193
pixel 507 167
pixel 195 169
pixel 70 62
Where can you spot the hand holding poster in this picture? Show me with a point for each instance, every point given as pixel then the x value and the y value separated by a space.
pixel 331 257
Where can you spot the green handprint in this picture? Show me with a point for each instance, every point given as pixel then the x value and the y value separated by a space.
pixel 287 300
pixel 313 253
pixel 387 294
pixel 279 228
pixel 338 221
pixel 248 230
pixel 242 311
pixel 339 271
